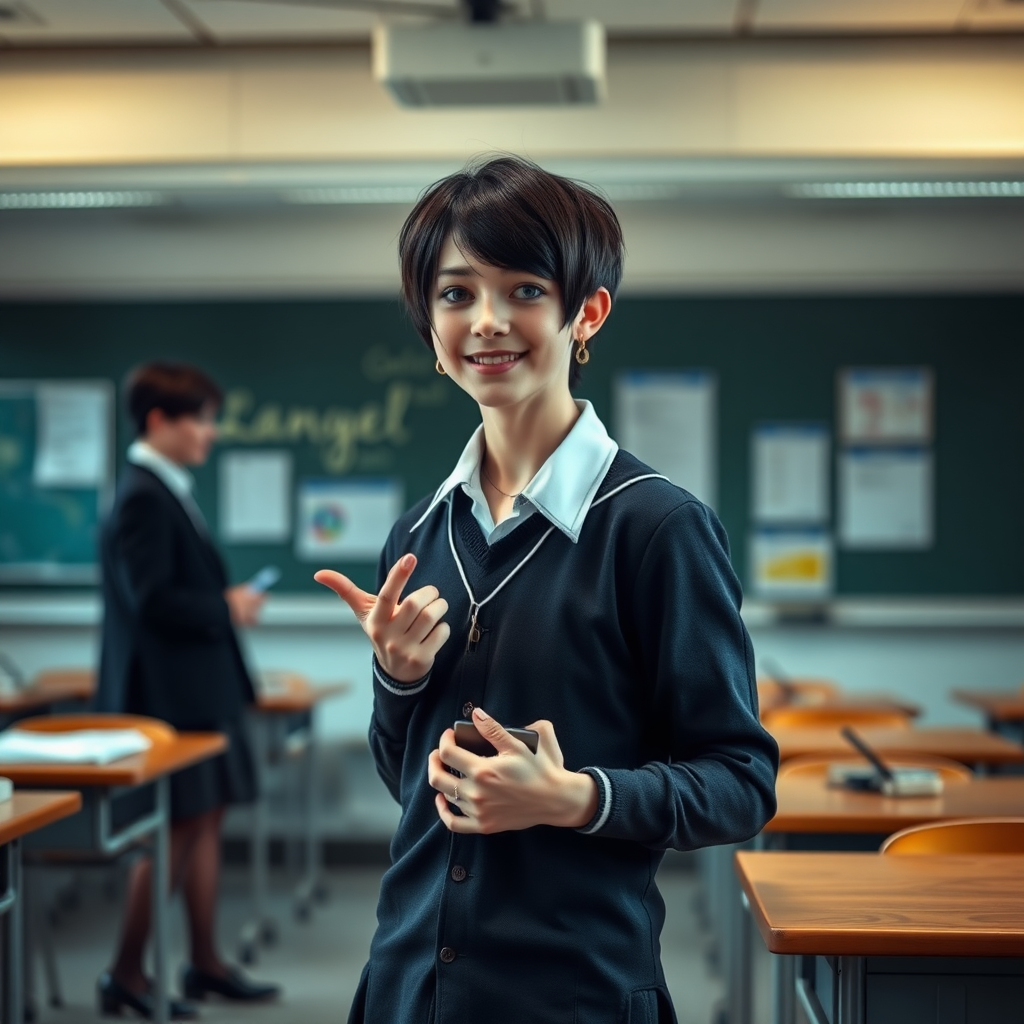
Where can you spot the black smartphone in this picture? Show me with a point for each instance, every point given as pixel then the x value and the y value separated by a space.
pixel 468 737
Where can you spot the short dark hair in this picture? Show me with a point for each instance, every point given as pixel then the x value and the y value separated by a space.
pixel 510 213
pixel 177 389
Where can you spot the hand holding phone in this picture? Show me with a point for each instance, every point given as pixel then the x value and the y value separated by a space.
pixel 264 579
pixel 468 737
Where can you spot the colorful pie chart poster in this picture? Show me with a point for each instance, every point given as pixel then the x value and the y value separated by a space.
pixel 346 520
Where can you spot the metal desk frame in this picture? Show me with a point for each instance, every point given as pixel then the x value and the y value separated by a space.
pixel 91 830
pixel 260 928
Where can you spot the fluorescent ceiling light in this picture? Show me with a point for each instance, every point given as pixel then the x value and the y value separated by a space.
pixel 78 200
pixel 344 194
pixel 908 190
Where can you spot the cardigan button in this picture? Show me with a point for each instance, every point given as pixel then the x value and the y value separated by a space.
pixel 467 709
pixel 458 873
pixel 447 955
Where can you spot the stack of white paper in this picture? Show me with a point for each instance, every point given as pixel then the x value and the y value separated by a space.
pixel 82 746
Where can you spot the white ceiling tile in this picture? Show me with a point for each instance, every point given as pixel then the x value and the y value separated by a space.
pixel 87 22
pixel 856 15
pixel 625 17
pixel 257 20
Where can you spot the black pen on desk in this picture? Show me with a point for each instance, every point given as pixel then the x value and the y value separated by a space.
pixel 876 762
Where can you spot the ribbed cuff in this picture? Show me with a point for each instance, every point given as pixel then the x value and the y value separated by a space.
pixel 604 801
pixel 399 689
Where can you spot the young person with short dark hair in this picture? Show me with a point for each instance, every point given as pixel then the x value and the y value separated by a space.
pixel 564 586
pixel 169 651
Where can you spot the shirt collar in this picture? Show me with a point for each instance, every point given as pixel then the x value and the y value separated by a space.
pixel 563 488
pixel 177 479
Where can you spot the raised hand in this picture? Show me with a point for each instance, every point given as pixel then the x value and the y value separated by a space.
pixel 513 790
pixel 406 635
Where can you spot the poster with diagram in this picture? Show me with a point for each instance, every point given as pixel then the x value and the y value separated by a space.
pixel 346 519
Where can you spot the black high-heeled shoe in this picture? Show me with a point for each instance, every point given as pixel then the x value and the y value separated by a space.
pixel 233 985
pixel 112 997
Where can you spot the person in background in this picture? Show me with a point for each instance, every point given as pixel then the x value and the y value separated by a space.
pixel 169 650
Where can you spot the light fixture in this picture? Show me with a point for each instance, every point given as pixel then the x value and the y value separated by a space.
pixel 907 190
pixel 345 194
pixel 79 200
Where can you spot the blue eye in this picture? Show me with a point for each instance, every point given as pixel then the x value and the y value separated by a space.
pixel 529 291
pixel 454 294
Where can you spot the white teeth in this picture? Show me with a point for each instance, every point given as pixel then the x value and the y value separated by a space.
pixel 493 360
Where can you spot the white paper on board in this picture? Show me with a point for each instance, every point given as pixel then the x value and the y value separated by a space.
pixel 346 520
pixel 72 425
pixel 667 420
pixel 255 498
pixel 790 465
pixel 792 563
pixel 885 498
pixel 884 406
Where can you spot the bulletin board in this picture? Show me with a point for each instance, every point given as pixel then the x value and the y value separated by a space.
pixel 56 478
pixel 349 391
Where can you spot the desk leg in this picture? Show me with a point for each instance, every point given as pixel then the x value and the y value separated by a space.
pixel 851 990
pixel 14 1006
pixel 305 893
pixel 161 897
pixel 784 988
pixel 258 928
pixel 740 966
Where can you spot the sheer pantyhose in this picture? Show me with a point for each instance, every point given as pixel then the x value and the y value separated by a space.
pixel 195 866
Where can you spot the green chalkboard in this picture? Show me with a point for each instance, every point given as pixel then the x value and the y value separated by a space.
pixel 350 390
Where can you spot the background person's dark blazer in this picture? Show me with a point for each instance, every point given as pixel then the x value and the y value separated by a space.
pixel 168 646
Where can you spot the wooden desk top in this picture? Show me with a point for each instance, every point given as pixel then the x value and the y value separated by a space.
pixel 293 693
pixel 867 904
pixel 999 705
pixel 186 748
pixel 50 688
pixel 806 804
pixel 27 812
pixel 854 701
pixel 969 746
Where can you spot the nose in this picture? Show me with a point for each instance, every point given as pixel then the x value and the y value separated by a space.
pixel 491 320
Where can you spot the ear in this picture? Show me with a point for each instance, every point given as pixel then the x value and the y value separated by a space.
pixel 156 419
pixel 593 314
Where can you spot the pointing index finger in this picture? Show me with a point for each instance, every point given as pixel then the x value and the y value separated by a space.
pixel 387 600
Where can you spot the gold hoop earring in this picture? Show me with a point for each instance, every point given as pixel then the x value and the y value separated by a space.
pixel 440 369
pixel 582 355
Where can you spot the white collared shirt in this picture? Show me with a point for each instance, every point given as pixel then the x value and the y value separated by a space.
pixel 177 479
pixel 562 489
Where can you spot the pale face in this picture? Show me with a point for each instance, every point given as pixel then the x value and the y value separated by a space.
pixel 187 439
pixel 498 333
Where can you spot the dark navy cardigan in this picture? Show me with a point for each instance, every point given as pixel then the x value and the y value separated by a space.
pixel 631 643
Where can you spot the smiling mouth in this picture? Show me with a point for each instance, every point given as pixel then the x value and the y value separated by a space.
pixel 496 360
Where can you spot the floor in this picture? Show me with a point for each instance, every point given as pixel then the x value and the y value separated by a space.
pixel 318 962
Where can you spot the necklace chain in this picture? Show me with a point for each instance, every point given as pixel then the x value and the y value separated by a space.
pixel 495 486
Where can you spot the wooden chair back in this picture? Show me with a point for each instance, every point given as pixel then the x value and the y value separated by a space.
pixel 966 835
pixel 804 691
pixel 157 731
pixel 816 767
pixel 823 716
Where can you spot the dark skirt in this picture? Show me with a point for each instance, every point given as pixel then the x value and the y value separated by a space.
pixel 228 778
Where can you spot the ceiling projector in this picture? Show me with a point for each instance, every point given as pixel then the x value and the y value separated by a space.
pixel 488 64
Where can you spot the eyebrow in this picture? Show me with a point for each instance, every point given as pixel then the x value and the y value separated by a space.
pixel 463 271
